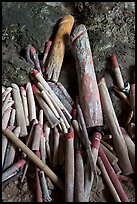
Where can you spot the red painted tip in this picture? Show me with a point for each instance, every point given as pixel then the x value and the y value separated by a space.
pixel 35 72
pixel 70 135
pixel 114 61
pixel 35 89
pixel 74 113
pixel 20 163
pixel 132 88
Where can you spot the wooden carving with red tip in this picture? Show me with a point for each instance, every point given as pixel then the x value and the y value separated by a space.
pixel 69 167
pixel 89 176
pixel 118 139
pixel 117 72
pixel 88 89
pixel 121 193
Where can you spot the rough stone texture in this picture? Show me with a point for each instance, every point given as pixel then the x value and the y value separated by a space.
pixel 111 28
pixel 26 23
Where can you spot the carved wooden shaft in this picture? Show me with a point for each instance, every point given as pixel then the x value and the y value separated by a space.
pixel 108 181
pixel 12 169
pixel 88 89
pixel 31 102
pixel 118 139
pixel 57 50
pixel 130 146
pixel 89 175
pixel 56 148
pixel 36 137
pixel 111 157
pixel 86 139
pixel 5 93
pixel 12 150
pixel 117 72
pixel 79 176
pixel 20 116
pixel 46 51
pixel 69 167
pixel 5 102
pixel 25 104
pixel 5 120
pixel 38 184
pixel 113 176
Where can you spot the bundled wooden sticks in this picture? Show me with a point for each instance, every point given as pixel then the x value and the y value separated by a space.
pixel 42 135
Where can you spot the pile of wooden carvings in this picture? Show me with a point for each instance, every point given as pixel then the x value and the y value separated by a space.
pixel 42 123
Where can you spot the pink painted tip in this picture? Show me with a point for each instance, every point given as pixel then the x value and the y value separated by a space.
pixel 22 88
pixel 56 130
pixel 124 132
pixel 96 140
pixel 49 43
pixel 97 135
pixel 132 88
pixel 43 69
pixel 38 153
pixel 102 80
pixel 35 72
pixel 33 50
pixel 114 61
pixel 35 89
pixel 20 163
